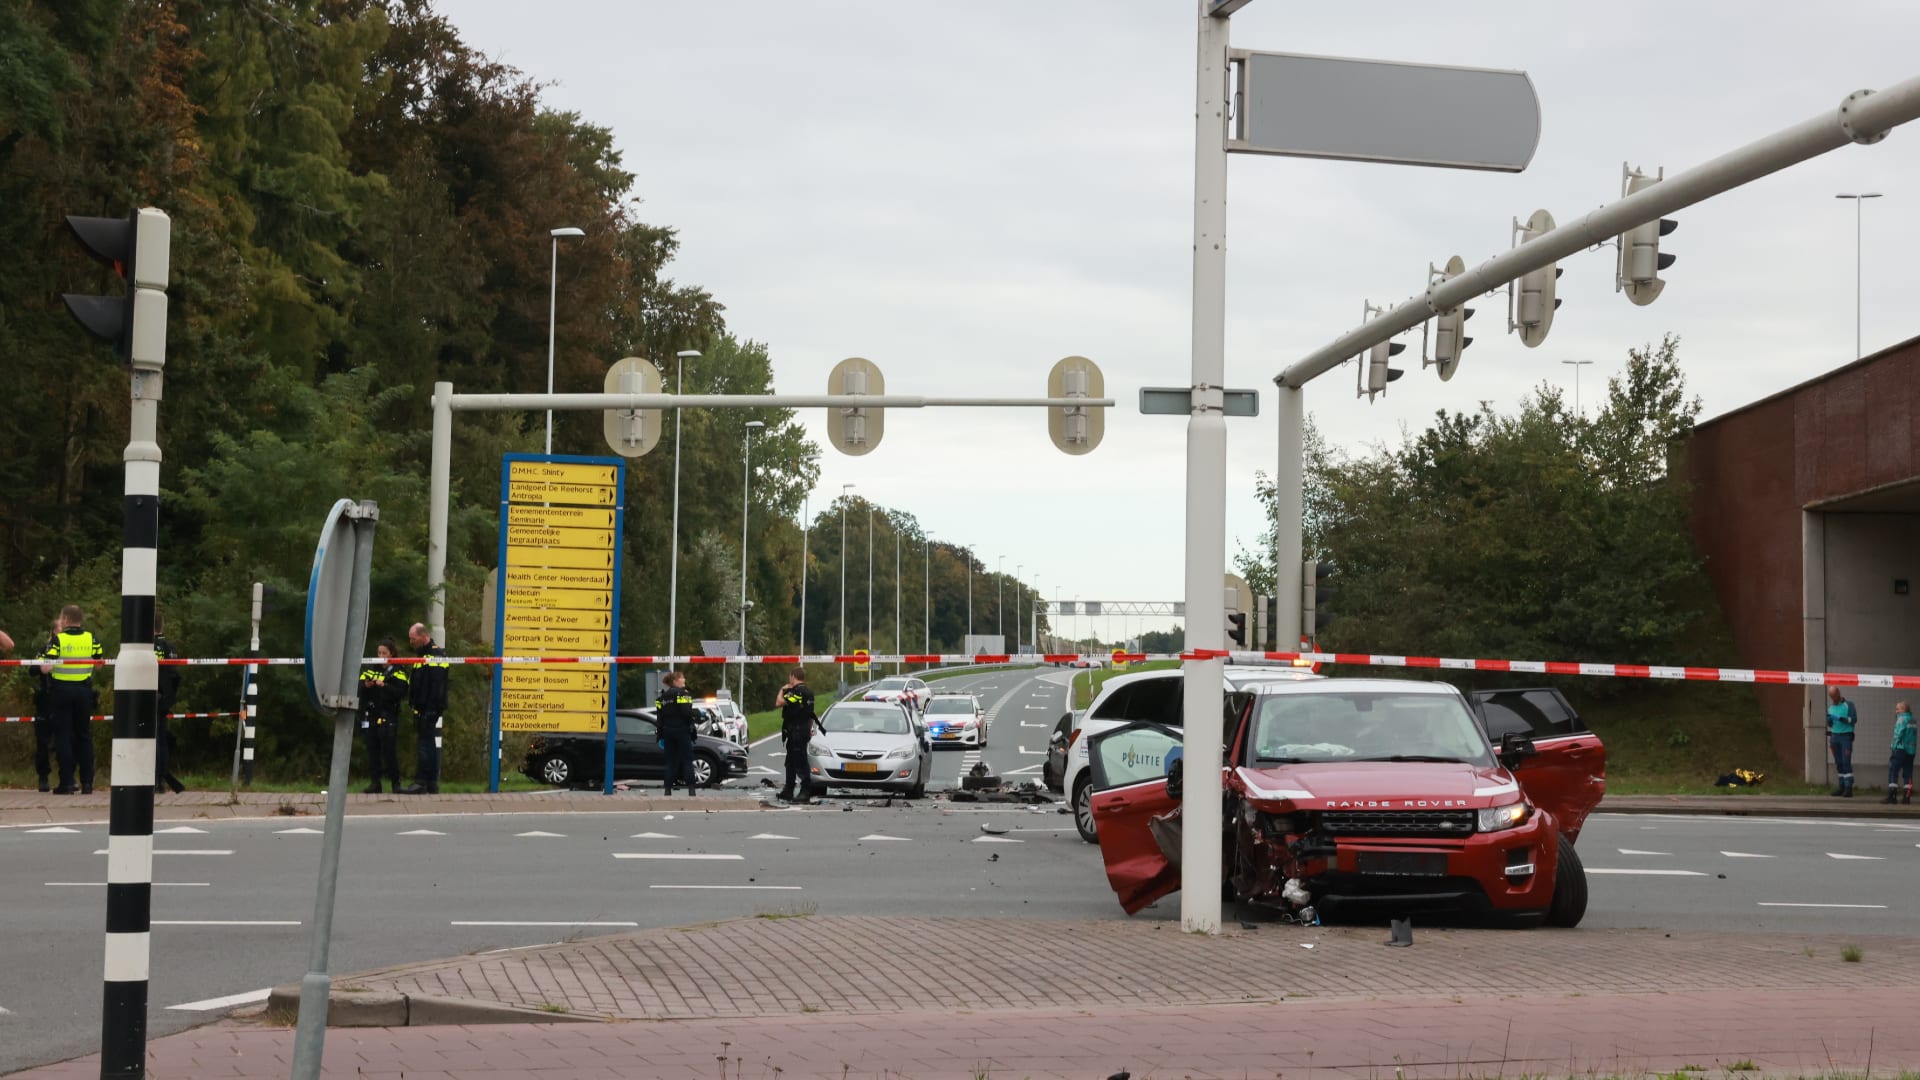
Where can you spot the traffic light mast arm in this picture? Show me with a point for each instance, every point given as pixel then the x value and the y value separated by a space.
pixel 1863 117
pixel 501 402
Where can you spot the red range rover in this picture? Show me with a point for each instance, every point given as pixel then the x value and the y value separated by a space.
pixel 1368 796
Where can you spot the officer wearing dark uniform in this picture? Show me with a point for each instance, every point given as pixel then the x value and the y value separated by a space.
pixel 70 699
pixel 797 720
pixel 43 715
pixel 673 711
pixel 427 692
pixel 169 694
pixel 383 687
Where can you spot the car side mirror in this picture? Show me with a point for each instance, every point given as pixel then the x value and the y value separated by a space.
pixel 1515 748
pixel 1175 781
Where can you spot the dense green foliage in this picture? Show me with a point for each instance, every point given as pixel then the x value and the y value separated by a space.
pixel 361 207
pixel 1539 534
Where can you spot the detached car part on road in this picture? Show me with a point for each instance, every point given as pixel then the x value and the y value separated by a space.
pixel 576 759
pixel 1360 795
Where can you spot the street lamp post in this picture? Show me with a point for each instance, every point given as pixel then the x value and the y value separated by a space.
pixel 844 488
pixel 1017 569
pixel 1576 365
pixel 926 599
pixel 869 582
pixel 1858 199
pixel 897 646
pixel 1000 599
pixel 806 535
pixel 673 542
pixel 553 300
pixel 746 485
pixel 969 552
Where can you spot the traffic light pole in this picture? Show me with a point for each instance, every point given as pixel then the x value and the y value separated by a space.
pixel 1864 117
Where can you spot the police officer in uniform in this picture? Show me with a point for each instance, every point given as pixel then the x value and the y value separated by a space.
pixel 169 695
pixel 427 692
pixel 797 725
pixel 70 699
pixel 673 711
pixel 383 686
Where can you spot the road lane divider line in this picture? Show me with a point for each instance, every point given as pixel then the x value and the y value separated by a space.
pixel 580 922
pixel 226 922
pixel 883 836
pixel 1859 858
pixel 1637 851
pixel 1645 873
pixel 251 997
pixel 102 884
pixel 53 829
pixel 1747 855
pixel 734 888
pixel 182 851
pixel 1859 907
pixel 676 856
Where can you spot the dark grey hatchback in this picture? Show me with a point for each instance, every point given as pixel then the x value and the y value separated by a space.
pixel 570 759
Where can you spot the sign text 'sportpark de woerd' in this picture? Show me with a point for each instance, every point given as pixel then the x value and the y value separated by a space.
pixel 560 531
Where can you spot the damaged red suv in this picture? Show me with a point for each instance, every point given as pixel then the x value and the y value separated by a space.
pixel 1361 796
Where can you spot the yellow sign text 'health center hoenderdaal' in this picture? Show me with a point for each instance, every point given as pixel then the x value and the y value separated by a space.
pixel 560 532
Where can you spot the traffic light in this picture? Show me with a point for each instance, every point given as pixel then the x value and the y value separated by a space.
pixel 1237 627
pixel 1641 259
pixel 1532 302
pixel 857 429
pixel 631 432
pixel 1378 374
pixel 1076 429
pixel 1449 332
pixel 1315 591
pixel 135 322
pixel 1270 622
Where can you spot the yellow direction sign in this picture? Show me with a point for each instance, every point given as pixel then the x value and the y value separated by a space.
pixel 546 720
pixel 557 577
pixel 543 536
pixel 560 517
pixel 557 619
pixel 561 558
pixel 582 494
pixel 554 700
pixel 561 472
pixel 534 596
pixel 581 642
pixel 565 678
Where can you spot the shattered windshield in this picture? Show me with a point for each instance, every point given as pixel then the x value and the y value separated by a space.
pixel 1364 726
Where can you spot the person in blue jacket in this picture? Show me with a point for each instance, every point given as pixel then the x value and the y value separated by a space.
pixel 1841 719
pixel 1900 759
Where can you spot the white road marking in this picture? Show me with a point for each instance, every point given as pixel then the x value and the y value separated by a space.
pixel 771 836
pixel 1648 873
pixel 652 836
pixel 880 836
pixel 420 832
pixel 536 832
pixel 1023 723
pixel 226 922
pixel 744 888
pixel 248 998
pixel 1865 907
pixel 678 856
pixel 995 840
pixel 1025 769
pixel 54 829
pixel 1636 851
pixel 1744 855
pixel 583 922
pixel 178 830
pixel 1033 753
pixel 1861 858
pixel 102 884
pixel 762 769
pixel 181 851
pixel 301 831
pixel 1036 706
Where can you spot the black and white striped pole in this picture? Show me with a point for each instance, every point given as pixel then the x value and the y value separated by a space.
pixel 136 322
pixel 249 701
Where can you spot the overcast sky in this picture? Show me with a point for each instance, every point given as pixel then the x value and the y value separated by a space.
pixel 966 192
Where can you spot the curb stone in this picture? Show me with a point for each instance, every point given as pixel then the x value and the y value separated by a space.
pixel 390 1009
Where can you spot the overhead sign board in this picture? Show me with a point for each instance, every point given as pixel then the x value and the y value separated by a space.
pixel 559 595
pixel 1380 110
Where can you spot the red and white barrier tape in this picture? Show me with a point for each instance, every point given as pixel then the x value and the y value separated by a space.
pixel 1540 667
pixel 109 716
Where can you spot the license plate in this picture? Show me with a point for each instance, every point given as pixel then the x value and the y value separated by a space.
pixel 948 735
pixel 1402 863
pixel 862 766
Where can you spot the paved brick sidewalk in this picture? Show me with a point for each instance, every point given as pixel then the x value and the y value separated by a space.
pixel 1773 1033
pixel 762 967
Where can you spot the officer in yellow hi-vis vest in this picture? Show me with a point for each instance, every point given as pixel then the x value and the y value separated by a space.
pixel 70 699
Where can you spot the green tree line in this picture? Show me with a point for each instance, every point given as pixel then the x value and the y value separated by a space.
pixel 361 207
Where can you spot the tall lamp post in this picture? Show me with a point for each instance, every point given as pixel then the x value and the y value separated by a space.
pixel 806 534
pixel 1000 598
pixel 869 582
pixel 897 646
pixel 673 572
pixel 1017 570
pixel 969 552
pixel 844 488
pixel 926 599
pixel 553 300
pixel 1859 198
pixel 746 485
pixel 1576 365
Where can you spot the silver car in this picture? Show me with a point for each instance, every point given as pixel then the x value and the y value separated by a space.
pixel 870 744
